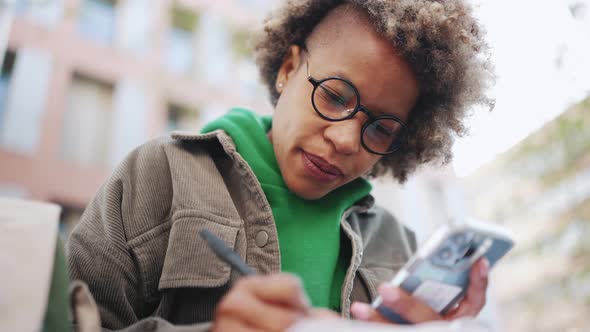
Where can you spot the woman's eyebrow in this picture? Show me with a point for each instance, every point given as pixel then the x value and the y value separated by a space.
pixel 376 111
pixel 345 76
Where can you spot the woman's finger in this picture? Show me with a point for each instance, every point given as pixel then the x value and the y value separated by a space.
pixel 398 301
pixel 475 297
pixel 269 303
pixel 251 311
pixel 283 289
pixel 321 313
pixel 407 306
pixel 365 312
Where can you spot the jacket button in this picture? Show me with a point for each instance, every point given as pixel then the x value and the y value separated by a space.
pixel 261 239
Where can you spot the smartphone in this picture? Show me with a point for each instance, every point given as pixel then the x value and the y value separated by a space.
pixel 438 273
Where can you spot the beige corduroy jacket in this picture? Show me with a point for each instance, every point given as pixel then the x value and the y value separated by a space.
pixel 138 246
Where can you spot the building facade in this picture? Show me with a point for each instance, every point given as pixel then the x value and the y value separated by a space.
pixel 83 82
pixel 540 189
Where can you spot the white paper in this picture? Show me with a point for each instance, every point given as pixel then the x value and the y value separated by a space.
pixel 342 325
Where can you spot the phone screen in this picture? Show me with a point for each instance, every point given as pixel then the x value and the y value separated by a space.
pixel 441 278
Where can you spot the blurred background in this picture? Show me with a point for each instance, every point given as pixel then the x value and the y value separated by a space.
pixel 85 81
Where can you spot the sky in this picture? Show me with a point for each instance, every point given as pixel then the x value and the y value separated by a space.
pixel 528 38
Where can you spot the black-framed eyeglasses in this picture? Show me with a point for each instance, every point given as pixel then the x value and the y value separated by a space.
pixel 337 99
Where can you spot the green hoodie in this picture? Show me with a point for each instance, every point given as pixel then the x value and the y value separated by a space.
pixel 308 230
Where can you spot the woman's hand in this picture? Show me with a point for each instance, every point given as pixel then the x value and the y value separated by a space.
pixel 262 303
pixel 414 311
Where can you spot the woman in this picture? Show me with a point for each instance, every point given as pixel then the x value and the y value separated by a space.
pixel 360 89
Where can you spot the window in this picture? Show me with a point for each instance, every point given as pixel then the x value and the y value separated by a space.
pixel 180 41
pixel 23 108
pixel 12 191
pixel 87 122
pixel 5 74
pixel 136 19
pixel 183 118
pixel 44 12
pixel 97 20
pixel 21 7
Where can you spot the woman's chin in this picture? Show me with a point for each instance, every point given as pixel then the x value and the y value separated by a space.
pixel 311 196
pixel 306 191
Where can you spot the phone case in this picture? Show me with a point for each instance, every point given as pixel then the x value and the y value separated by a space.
pixel 438 274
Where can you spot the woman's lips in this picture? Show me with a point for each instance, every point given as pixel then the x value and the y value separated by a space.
pixel 319 168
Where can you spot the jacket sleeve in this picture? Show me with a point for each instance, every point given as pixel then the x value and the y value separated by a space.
pixel 98 253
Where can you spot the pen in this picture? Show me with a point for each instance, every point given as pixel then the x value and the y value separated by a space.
pixel 385 311
pixel 225 253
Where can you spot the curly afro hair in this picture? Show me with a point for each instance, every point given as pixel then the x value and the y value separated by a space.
pixel 441 40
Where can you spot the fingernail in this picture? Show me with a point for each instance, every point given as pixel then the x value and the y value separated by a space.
pixel 360 311
pixel 484 268
pixel 305 300
pixel 388 293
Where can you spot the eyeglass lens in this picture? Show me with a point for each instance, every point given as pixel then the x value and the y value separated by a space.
pixel 336 99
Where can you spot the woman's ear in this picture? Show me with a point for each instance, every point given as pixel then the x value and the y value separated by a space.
pixel 291 63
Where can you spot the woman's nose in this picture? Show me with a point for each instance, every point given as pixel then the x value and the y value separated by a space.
pixel 345 135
